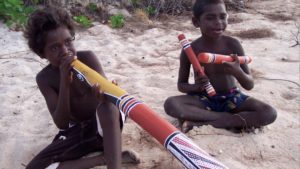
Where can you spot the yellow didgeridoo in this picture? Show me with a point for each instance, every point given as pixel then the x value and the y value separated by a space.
pixel 188 153
pixel 219 59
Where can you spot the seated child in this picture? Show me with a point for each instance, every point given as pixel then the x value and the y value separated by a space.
pixel 87 121
pixel 230 108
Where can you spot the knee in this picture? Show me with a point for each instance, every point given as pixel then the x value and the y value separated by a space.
pixel 268 115
pixel 169 105
pixel 108 111
pixel 29 166
pixel 272 114
pixel 32 165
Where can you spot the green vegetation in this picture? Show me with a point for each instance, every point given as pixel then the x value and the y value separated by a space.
pixel 83 20
pixel 117 21
pixel 92 7
pixel 135 3
pixel 151 10
pixel 14 13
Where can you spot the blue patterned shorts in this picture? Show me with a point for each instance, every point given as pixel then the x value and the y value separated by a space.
pixel 222 102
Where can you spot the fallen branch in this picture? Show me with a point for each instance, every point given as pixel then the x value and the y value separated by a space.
pixel 296 35
pixel 280 80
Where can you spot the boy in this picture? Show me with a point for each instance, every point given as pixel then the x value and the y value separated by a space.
pixel 229 108
pixel 87 122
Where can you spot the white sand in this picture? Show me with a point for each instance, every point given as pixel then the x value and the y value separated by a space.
pixel 145 63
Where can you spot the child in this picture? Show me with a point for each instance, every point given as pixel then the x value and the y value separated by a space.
pixel 230 108
pixel 87 122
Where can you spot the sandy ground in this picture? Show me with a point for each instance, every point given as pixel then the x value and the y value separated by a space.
pixel 145 63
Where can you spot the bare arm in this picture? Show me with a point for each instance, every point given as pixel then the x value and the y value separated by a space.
pixel 58 103
pixel 240 72
pixel 183 77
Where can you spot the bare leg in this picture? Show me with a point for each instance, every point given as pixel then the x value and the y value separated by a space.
pixel 109 119
pixel 189 111
pixel 252 113
pixel 189 108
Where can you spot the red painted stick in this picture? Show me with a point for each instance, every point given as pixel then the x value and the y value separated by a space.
pixel 219 59
pixel 186 45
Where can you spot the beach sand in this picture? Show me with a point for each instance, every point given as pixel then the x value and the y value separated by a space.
pixel 144 59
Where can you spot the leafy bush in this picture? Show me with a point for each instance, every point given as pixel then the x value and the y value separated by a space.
pixel 14 13
pixel 83 20
pixel 117 21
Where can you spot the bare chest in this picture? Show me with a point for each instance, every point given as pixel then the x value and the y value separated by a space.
pixel 83 103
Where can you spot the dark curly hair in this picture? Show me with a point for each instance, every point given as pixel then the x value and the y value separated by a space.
pixel 199 5
pixel 41 22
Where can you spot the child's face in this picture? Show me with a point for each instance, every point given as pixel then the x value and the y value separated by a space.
pixel 59 43
pixel 213 21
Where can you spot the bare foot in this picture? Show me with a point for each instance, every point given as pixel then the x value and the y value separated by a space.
pixel 177 123
pixel 186 126
pixel 129 156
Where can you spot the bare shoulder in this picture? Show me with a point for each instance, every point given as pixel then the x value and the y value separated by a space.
pixel 233 45
pixel 196 42
pixel 85 55
pixel 43 75
pixel 47 77
pixel 90 59
pixel 197 45
pixel 231 40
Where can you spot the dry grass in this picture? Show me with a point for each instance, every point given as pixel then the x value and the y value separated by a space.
pixel 255 33
pixel 142 15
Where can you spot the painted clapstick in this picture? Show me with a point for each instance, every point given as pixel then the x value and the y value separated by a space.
pixel 191 156
pixel 219 59
pixel 186 45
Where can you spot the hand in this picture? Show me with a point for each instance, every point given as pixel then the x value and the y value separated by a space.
pixel 100 93
pixel 115 82
pixel 201 82
pixel 96 89
pixel 65 67
pixel 232 67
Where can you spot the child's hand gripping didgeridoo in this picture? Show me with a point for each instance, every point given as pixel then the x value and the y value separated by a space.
pixel 186 45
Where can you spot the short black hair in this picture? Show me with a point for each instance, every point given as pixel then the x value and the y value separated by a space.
pixel 41 22
pixel 199 5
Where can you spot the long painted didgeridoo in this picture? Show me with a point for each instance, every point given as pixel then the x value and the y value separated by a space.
pixel 186 45
pixel 187 152
pixel 219 59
